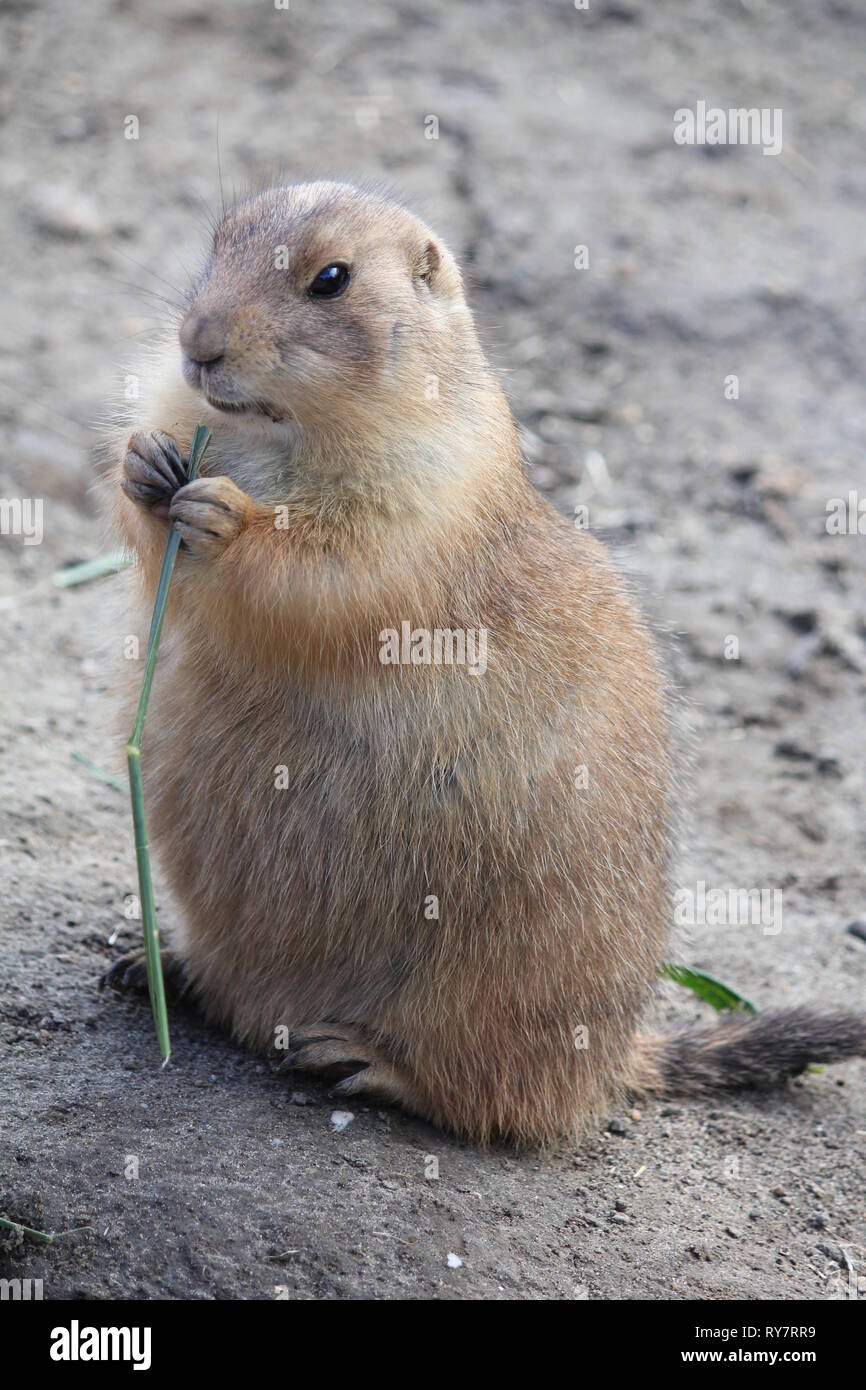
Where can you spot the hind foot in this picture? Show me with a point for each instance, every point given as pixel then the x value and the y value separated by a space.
pixel 333 1049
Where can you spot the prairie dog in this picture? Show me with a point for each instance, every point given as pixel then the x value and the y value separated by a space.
pixel 447 884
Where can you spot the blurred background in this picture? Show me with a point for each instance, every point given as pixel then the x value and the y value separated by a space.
pixel 553 131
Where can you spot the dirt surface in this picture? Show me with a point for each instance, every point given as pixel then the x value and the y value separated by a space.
pixel 555 130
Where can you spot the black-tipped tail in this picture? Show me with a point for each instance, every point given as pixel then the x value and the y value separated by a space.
pixel 745 1051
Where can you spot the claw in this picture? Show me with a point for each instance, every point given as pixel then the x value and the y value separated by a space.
pixel 323 1052
pixel 378 1079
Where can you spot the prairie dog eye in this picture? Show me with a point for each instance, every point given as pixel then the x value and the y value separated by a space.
pixel 330 281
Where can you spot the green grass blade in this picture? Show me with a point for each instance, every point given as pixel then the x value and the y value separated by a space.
pixel 25 1230
pixel 110 779
pixel 155 983
pixel 91 569
pixel 705 987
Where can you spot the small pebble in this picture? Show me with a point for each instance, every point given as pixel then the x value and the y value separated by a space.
pixel 64 212
pixel 454 1261
pixel 827 763
pixel 341 1119
pixel 795 752
pixel 831 1251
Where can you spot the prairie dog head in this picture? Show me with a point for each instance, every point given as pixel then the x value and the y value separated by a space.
pixel 327 308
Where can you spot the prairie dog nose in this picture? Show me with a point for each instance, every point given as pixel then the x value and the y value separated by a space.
pixel 203 336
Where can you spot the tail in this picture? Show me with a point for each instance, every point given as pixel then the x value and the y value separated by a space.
pixel 743 1051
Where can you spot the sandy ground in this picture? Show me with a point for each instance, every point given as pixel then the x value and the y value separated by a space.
pixel 555 130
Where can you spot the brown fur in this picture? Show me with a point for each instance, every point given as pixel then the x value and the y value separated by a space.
pixel 306 907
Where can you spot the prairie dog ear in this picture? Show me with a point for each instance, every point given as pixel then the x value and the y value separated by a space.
pixel 426 263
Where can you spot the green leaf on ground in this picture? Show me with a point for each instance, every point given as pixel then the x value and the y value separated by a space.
pixel 722 997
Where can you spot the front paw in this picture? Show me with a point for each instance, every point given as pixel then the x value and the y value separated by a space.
pixel 153 470
pixel 209 513
pixel 128 974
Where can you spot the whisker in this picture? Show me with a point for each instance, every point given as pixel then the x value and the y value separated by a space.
pixel 152 294
pixel 174 288
pixel 219 166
